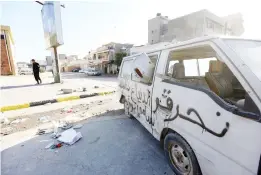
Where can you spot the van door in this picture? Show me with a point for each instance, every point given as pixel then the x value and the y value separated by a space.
pixel 140 98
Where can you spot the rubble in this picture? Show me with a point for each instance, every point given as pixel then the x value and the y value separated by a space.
pixel 4 119
pixel 67 91
pixel 43 131
pixel 19 120
pixel 44 119
pixel 7 130
pixel 67 109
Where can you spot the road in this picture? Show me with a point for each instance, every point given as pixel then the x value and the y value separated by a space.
pixel 110 146
pixel 22 89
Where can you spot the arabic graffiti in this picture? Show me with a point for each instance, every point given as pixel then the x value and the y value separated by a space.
pixel 172 117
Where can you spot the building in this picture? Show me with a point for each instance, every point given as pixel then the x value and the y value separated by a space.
pixel 72 57
pixel 157 28
pixel 8 66
pixel 103 57
pixel 197 24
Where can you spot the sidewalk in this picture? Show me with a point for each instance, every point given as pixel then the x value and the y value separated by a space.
pixel 20 92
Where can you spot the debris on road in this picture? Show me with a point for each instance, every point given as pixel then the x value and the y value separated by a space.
pixel 70 136
pixel 43 131
pixel 66 126
pixel 44 119
pixel 67 109
pixel 40 132
pixel 49 145
pixel 19 120
pixel 78 126
pixel 7 130
pixel 67 91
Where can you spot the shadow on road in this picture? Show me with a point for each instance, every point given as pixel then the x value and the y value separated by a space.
pixel 73 75
pixel 22 86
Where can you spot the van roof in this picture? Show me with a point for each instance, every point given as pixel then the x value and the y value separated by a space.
pixel 191 41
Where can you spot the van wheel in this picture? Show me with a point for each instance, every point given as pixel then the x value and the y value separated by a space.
pixel 180 156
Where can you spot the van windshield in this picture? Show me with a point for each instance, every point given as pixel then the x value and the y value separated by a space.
pixel 250 52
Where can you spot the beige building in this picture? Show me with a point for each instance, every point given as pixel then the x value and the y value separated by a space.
pixel 103 57
pixel 197 24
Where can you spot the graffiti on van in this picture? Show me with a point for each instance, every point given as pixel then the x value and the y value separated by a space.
pixel 167 110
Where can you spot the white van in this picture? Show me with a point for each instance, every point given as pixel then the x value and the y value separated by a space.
pixel 202 100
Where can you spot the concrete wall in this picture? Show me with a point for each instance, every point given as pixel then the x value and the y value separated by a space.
pixel 193 25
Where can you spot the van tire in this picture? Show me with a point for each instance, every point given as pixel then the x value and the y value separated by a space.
pixel 180 155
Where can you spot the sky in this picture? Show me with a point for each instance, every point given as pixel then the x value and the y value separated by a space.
pixel 89 24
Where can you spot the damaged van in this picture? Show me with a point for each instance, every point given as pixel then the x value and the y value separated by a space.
pixel 202 100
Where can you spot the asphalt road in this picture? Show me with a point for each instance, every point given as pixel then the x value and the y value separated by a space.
pixel 110 146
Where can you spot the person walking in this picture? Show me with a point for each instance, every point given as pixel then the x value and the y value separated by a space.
pixel 36 71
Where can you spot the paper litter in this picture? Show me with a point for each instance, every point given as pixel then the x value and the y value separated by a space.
pixel 70 136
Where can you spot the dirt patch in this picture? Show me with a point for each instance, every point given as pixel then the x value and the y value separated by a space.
pixel 74 114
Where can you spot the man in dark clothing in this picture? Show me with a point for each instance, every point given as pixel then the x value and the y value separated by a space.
pixel 36 71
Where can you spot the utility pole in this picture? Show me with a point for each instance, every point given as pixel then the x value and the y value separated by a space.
pixel 54 37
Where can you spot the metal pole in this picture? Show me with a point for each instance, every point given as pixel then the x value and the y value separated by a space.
pixel 57 76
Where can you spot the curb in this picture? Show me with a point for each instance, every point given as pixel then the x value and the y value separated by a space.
pixel 57 100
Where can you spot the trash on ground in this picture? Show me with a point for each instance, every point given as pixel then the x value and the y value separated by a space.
pixel 49 145
pixel 78 126
pixel 67 91
pixel 6 121
pixel 19 120
pixel 55 135
pixel 6 130
pixel 70 136
pixel 44 119
pixel 67 109
pixel 66 126
pixel 43 131
pixel 40 132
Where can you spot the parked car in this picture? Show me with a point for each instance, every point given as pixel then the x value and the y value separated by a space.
pixel 76 69
pixel 82 71
pixel 201 99
pixel 92 72
pixel 25 71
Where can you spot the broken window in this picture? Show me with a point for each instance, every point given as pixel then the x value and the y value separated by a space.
pixel 199 67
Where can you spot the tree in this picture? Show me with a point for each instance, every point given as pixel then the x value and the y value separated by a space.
pixel 118 58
